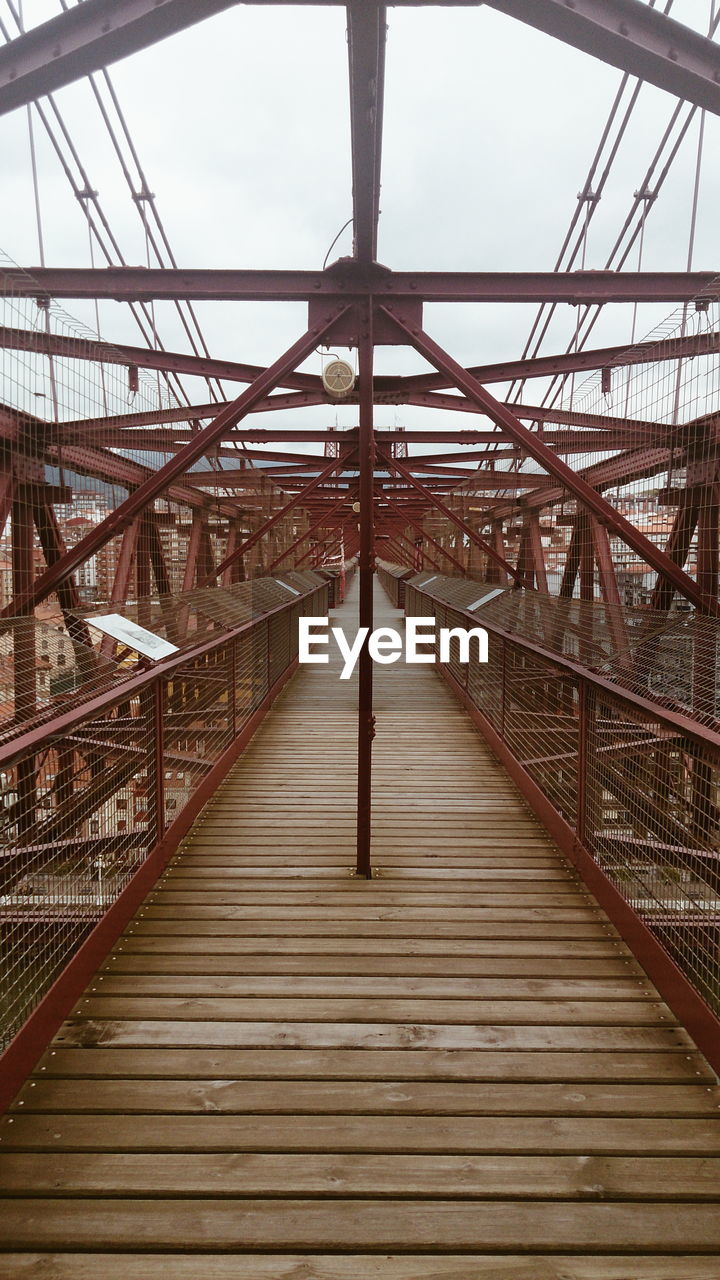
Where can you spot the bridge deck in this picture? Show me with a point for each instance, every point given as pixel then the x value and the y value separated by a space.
pixel 456 1071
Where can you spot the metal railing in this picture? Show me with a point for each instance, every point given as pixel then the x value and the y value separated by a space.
pixel 621 767
pixel 392 578
pixel 98 792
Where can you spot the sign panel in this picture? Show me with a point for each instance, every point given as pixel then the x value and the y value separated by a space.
pixel 134 636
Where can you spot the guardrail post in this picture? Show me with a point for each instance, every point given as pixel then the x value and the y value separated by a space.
pixel 158 760
pixel 232 690
pixel 582 759
pixel 503 688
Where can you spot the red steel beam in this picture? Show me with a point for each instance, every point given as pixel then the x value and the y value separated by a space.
pixel 366 566
pixel 539 413
pixel 411 555
pixel 330 538
pixel 419 554
pixel 609 588
pixel 87 37
pixel 632 36
pixel 61 345
pixel 537 552
pixel 575 484
pixel 352 282
pixel 389 390
pixel 575 362
pixel 407 388
pixel 624 33
pixel 366 59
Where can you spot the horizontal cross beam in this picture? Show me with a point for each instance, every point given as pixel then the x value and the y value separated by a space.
pixel 350 282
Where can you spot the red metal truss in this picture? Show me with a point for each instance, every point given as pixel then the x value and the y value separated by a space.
pixel 158 482
pixel 569 479
pixel 433 500
pixel 321 522
pixel 270 523
pixel 582 686
pixel 625 33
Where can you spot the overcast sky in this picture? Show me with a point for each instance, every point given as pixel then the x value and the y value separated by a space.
pixel 242 124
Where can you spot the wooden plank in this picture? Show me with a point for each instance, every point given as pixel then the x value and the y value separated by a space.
pixel 392 1097
pixel 464 887
pixel 137 1033
pixel 377 897
pixel 508 1012
pixel 600 973
pixel 388 927
pixel 450 1177
pixel 442 1135
pixel 452 950
pixel 437 1225
pixel 314 1266
pixel 368 910
pixel 373 987
pixel 320 1065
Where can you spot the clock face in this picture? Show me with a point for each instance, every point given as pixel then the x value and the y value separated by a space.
pixel 338 377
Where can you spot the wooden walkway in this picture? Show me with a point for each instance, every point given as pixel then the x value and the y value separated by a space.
pixel 454 1072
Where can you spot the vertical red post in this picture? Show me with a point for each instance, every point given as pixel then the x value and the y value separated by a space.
pixel 582 763
pixel 156 703
pixel 366 564
pixel 24 657
pixel 232 690
pixel 705 659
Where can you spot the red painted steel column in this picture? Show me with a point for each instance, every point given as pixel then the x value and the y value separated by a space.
pixel 705 661
pixel 366 720
pixel 582 762
pixel 156 705
pixel 24 655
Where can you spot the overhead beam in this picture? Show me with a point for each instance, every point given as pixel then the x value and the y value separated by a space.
pixel 366 57
pixel 630 35
pixel 388 389
pixel 575 362
pixel 351 281
pixel 87 37
pixel 481 479
pixel 56 344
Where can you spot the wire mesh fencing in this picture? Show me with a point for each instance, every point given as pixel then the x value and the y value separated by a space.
pixel 623 742
pixel 91 789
